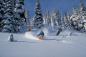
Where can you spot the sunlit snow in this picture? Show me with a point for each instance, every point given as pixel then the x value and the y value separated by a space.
pixel 30 36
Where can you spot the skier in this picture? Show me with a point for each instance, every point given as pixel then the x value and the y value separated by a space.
pixel 59 30
pixel 11 39
pixel 30 28
pixel 41 35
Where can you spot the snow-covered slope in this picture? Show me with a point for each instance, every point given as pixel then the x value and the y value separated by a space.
pixel 63 45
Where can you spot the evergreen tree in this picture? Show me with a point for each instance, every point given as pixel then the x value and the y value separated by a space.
pixel 9 22
pixel 38 20
pixel 20 15
pixel 82 21
pixel 67 23
pixel 1 14
pixel 78 18
pixel 14 16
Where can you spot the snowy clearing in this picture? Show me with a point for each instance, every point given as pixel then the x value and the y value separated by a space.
pixel 53 46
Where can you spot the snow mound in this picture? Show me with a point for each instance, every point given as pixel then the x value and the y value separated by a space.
pixel 66 42
pixel 71 33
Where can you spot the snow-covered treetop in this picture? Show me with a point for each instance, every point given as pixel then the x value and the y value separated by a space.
pixel 82 6
pixel 80 12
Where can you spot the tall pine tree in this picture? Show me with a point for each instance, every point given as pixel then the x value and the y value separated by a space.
pixel 78 18
pixel 20 15
pixel 14 17
pixel 1 14
pixel 38 20
pixel 9 22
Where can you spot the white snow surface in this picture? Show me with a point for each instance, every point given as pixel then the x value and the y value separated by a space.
pixel 64 45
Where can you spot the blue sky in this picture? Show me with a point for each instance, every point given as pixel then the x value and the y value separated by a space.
pixel 62 5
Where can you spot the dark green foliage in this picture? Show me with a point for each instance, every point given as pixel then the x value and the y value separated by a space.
pixel 38 20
